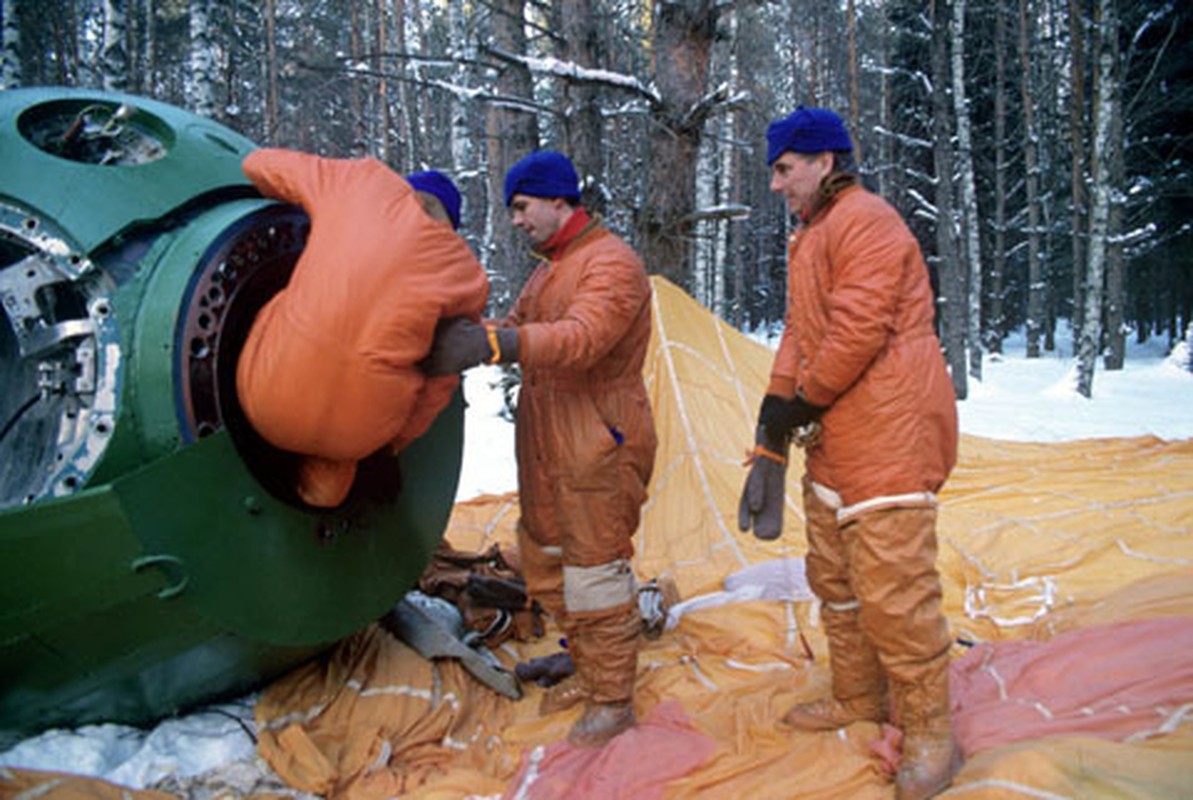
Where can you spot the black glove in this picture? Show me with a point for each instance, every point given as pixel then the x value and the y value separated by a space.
pixel 762 498
pixel 546 670
pixel 507 340
pixel 489 590
pixel 459 344
pixel 781 416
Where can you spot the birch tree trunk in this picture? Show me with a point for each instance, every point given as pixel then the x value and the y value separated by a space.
pixel 952 279
pixel 1036 289
pixel 729 193
pixel 408 107
pixel 1116 280
pixel 1101 159
pixel 1078 226
pixel 1048 114
pixel 510 133
pixel 10 46
pixel 271 73
pixel 969 196
pixel 204 71
pixel 996 326
pixel 1189 347
pixel 706 232
pixel 458 35
pixel 149 80
pixel 383 120
pixel 463 150
pixel 1116 299
pixel 731 305
pixel 717 180
pixel 136 21
pixel 754 242
pixel 113 56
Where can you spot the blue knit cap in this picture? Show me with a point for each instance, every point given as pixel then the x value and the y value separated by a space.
pixel 807 130
pixel 434 182
pixel 543 173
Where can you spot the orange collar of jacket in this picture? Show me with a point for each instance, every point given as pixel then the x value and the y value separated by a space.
pixel 576 224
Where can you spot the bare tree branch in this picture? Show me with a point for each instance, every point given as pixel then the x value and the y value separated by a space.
pixel 465 92
pixel 577 74
pixel 405 55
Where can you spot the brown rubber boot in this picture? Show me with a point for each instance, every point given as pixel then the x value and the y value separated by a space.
pixel 859 684
pixel 601 722
pixel 928 765
pixel 605 648
pixel 930 754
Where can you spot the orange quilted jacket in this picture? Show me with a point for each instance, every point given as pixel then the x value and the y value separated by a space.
pixel 859 339
pixel 329 365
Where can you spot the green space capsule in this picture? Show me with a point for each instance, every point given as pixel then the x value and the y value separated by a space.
pixel 152 554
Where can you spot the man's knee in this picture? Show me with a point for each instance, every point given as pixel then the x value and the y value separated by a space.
pixel 893 553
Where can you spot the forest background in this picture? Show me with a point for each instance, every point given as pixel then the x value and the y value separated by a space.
pixel 1039 149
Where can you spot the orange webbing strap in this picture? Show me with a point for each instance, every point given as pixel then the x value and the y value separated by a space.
pixel 759 450
pixel 491 331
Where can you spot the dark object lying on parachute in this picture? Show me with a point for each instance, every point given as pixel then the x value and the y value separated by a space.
pixel 546 670
pixel 468 603
pixel 435 629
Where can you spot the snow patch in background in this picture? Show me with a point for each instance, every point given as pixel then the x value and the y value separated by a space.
pixel 1036 400
pixel 489 466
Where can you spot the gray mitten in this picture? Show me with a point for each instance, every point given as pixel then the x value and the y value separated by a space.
pixel 762 498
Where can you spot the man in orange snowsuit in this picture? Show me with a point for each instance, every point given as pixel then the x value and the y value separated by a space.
pixel 329 369
pixel 585 437
pixel 859 356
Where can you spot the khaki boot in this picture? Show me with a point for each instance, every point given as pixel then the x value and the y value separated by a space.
pixel 601 722
pixel 930 754
pixel 605 648
pixel 894 557
pixel 927 767
pixel 831 714
pixel 859 685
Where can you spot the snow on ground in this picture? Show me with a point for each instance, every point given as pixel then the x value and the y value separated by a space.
pixel 1018 399
pixel 1036 400
pixel 489 466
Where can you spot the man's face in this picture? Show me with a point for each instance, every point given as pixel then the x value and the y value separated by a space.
pixel 538 217
pixel 797 177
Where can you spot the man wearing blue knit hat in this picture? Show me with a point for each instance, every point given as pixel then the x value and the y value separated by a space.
pixel 435 188
pixel 543 173
pixel 860 364
pixel 585 437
